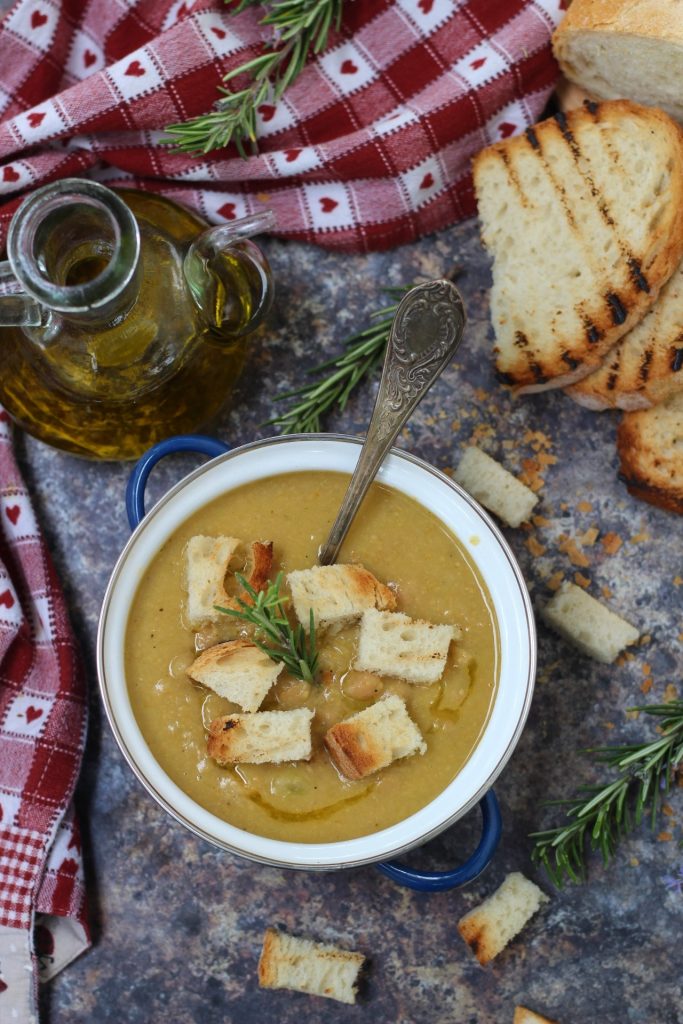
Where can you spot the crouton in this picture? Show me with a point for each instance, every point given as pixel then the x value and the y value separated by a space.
pixel 262 737
pixel 393 644
pixel 373 738
pixel 494 488
pixel 524 1016
pixel 489 927
pixel 207 560
pixel 316 968
pixel 237 670
pixel 588 624
pixel 338 594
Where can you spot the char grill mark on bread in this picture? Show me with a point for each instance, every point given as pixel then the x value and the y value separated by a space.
pixel 650 447
pixel 393 644
pixel 585 225
pixel 337 594
pixel 493 487
pixel 644 367
pixel 237 670
pixel 373 738
pixel 588 624
pixel 316 968
pixel 614 48
pixel 489 927
pixel 262 737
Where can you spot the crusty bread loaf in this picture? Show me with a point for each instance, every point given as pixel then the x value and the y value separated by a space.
pixel 650 446
pixel 646 366
pixel 373 738
pixel 393 644
pixel 337 594
pixel 262 737
pixel 237 670
pixel 493 487
pixel 524 1016
pixel 618 48
pixel 489 927
pixel 588 624
pixel 207 560
pixel 583 215
pixel 317 968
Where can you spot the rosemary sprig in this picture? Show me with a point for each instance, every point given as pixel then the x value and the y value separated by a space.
pixel 300 28
pixel 599 816
pixel 274 633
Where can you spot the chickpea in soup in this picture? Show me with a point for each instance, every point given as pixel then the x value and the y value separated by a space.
pixel 403 544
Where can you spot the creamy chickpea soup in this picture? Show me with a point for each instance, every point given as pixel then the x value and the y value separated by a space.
pixel 404 545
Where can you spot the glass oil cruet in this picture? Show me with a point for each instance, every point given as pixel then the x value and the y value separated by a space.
pixel 123 317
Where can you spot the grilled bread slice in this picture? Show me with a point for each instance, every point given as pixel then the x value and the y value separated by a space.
pixel 646 366
pixel 237 670
pixel 583 215
pixel 336 594
pixel 650 446
pixel 373 738
pixel 264 737
pixel 489 927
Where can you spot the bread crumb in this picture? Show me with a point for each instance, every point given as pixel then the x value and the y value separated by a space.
pixel 537 439
pixel 668 810
pixel 581 580
pixel 530 474
pixel 589 538
pixel 646 669
pixel 665 837
pixel 646 685
pixel 540 521
pixel 555 581
pixel 611 542
pixel 670 693
pixel 569 548
pixel 677 581
pixel 609 726
pixel 633 715
pixel 606 592
pixel 584 506
pixel 634 862
pixel 639 538
pixel 535 547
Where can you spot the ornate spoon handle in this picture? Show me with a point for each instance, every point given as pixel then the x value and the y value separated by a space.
pixel 424 336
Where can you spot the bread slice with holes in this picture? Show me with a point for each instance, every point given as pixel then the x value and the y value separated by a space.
pixel 583 215
pixel 614 48
pixel 237 670
pixel 650 446
pixel 646 366
pixel 373 738
pixel 262 737
pixel 494 488
pixel 393 644
pixel 317 968
pixel 524 1016
pixel 494 923
pixel 337 594
pixel 207 561
pixel 588 624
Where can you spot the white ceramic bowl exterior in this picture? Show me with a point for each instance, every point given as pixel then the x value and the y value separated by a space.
pixel 458 512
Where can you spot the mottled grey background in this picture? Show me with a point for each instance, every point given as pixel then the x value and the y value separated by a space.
pixel 178 925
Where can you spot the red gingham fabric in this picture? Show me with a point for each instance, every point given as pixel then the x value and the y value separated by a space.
pixel 42 727
pixel 370 147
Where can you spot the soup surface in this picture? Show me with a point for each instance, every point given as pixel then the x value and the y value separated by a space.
pixel 403 544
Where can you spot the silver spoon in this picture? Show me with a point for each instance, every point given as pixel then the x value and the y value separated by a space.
pixel 424 336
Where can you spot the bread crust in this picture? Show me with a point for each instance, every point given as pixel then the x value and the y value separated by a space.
pixel 625 298
pixel 650 473
pixel 652 19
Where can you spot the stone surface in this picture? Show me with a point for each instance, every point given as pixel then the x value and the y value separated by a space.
pixel 178 925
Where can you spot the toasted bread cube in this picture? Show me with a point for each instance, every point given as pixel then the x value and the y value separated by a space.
pixel 262 737
pixel 588 624
pixel 315 968
pixel 237 670
pixel 524 1016
pixel 393 644
pixel 338 594
pixel 207 560
pixel 494 488
pixel 373 738
pixel 489 927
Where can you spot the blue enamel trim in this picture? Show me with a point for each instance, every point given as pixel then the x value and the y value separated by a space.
pixel 135 491
pixel 439 881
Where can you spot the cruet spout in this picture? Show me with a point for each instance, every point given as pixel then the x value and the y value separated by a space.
pixel 17 308
pixel 229 277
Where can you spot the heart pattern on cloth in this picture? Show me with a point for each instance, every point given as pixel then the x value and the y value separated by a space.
pixel 219 33
pixel 9 174
pixel 291 155
pixel 3 986
pixel 267 112
pixel 348 68
pixel 89 58
pixel 227 210
pixel 479 63
pixel 427 181
pixel 38 18
pixel 327 205
pixel 7 599
pixel 33 713
pixel 69 866
pixel 4 416
pixel 506 129
pixel 426 6
pixel 13 512
pixel 135 69
pixel 36 118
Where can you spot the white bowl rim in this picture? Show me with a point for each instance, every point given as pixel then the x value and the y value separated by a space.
pixel 382 845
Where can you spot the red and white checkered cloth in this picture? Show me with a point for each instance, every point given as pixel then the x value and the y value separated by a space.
pixel 42 733
pixel 370 147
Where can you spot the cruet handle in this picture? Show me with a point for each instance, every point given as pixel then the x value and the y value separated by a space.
pixel 17 309
pixel 229 277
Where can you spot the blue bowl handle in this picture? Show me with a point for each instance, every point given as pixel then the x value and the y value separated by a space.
pixel 135 491
pixel 439 881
